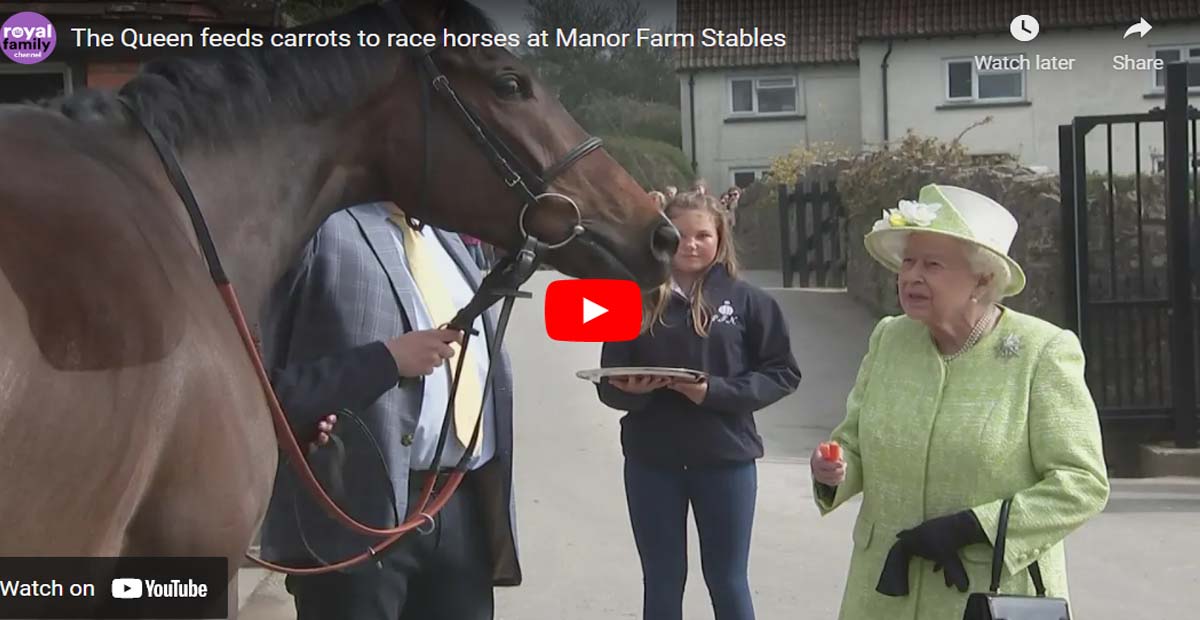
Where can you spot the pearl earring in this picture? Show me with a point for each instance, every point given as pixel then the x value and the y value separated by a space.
pixel 974 299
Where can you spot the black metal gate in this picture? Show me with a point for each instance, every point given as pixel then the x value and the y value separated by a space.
pixel 1131 288
pixel 812 229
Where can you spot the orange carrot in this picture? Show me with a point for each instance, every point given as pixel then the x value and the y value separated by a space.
pixel 830 451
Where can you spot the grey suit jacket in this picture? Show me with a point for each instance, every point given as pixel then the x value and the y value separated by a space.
pixel 323 333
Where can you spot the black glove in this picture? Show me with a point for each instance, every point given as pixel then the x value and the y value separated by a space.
pixel 893 580
pixel 939 539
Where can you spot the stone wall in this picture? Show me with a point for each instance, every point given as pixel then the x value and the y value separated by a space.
pixel 756 235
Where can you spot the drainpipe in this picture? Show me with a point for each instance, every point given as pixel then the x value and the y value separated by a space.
pixel 692 114
pixel 884 68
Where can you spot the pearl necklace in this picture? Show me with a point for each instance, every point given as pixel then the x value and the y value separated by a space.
pixel 976 333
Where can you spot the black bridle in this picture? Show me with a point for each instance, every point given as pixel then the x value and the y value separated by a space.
pixel 505 280
pixel 529 186
pixel 502 282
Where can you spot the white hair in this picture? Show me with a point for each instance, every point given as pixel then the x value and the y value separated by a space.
pixel 984 262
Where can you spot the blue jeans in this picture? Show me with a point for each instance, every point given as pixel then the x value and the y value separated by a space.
pixel 722 498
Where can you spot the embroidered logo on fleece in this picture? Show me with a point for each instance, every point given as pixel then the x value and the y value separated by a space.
pixel 725 314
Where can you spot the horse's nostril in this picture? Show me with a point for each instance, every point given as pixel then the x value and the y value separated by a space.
pixel 665 241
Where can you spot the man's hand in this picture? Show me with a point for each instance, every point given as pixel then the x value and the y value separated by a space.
pixel 694 391
pixel 418 353
pixel 324 428
pixel 641 384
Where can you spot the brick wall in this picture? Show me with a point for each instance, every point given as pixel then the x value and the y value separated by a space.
pixel 110 75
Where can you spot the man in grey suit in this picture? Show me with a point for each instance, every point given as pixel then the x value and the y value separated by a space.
pixel 350 327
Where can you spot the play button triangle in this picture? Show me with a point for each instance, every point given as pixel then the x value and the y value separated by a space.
pixel 591 310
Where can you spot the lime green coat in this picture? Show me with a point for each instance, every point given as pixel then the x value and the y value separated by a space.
pixel 924 438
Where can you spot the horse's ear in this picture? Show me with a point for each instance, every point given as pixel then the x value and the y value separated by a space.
pixel 426 15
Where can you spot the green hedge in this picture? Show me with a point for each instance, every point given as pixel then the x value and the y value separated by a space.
pixel 654 164
pixel 630 117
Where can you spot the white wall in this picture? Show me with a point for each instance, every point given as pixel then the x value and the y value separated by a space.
pixel 916 88
pixel 828 105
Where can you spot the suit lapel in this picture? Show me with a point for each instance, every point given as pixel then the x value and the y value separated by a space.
pixel 376 229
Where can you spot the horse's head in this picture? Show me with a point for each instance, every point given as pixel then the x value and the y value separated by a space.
pixel 598 220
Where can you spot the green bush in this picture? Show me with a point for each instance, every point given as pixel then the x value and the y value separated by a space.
pixel 871 185
pixel 653 163
pixel 626 116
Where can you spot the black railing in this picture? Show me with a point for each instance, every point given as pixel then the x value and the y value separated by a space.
pixel 1130 277
pixel 812 229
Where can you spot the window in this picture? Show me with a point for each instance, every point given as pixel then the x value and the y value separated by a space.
pixel 967 81
pixel 30 83
pixel 1158 163
pixel 744 177
pixel 1189 53
pixel 763 95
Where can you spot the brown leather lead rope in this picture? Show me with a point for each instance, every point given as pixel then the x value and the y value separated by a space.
pixel 500 283
pixel 428 506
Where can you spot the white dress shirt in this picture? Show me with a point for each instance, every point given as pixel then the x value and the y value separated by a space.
pixel 437 385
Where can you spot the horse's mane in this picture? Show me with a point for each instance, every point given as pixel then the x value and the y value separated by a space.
pixel 224 94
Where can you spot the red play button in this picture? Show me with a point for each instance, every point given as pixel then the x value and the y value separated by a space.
pixel 593 310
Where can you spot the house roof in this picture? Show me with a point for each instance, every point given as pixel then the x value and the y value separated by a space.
pixel 828 31
pixel 818 31
pixel 248 12
pixel 924 18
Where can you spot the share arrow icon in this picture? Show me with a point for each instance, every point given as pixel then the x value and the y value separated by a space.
pixel 1141 28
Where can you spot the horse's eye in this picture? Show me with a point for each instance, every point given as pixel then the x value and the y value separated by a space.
pixel 507 86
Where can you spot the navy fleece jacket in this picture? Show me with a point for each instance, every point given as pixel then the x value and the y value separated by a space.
pixel 748 356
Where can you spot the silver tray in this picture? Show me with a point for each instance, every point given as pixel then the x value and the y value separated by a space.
pixel 594 375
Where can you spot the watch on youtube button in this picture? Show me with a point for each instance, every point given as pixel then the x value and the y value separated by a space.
pixel 593 310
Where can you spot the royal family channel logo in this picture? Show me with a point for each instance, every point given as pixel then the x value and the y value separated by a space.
pixel 27 38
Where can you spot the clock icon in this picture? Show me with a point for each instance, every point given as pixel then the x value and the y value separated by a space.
pixel 1024 28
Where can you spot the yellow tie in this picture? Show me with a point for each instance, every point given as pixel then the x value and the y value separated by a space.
pixel 441 309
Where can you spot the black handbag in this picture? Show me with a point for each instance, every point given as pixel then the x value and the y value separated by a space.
pixel 992 605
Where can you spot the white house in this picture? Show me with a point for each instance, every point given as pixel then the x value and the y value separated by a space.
pixel 858 73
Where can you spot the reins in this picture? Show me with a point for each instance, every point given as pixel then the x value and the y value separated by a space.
pixel 503 282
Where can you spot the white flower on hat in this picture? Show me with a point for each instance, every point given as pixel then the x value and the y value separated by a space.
pixel 918 213
pixel 882 223
pixel 907 213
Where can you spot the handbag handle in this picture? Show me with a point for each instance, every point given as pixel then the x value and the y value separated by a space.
pixel 1035 571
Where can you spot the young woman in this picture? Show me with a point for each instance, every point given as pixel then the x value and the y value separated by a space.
pixel 696 443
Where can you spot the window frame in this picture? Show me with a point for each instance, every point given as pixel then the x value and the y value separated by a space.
pixel 754 88
pixel 1182 48
pixel 1158 162
pixel 975 73
pixel 61 68
pixel 759 173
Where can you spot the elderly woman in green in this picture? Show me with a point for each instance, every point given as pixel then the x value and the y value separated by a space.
pixel 959 404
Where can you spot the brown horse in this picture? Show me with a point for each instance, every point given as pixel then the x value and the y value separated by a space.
pixel 131 420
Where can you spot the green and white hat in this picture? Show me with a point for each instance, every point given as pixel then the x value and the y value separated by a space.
pixel 951 211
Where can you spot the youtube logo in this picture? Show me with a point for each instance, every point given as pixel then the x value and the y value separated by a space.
pixel 125 587
pixel 593 310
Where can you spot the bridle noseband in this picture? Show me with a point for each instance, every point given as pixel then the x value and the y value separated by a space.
pixel 502 282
